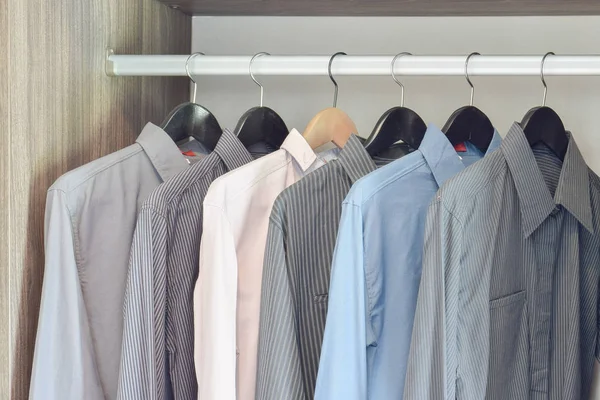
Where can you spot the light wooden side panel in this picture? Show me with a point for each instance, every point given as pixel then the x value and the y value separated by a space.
pixel 4 210
pixel 64 112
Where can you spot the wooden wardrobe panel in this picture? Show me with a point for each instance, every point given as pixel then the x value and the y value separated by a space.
pixel 4 210
pixel 65 112
pixel 386 7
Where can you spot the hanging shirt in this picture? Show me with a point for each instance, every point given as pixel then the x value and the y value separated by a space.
pixel 508 303
pixel 302 232
pixel 376 271
pixel 227 296
pixel 90 219
pixel 158 339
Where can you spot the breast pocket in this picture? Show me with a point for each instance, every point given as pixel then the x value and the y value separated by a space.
pixel 320 298
pixel 508 363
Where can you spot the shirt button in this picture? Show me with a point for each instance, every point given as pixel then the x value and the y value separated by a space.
pixel 555 211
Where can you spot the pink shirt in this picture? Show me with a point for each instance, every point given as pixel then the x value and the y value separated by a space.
pixel 227 295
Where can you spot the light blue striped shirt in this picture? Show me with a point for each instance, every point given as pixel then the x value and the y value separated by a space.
pixel 377 268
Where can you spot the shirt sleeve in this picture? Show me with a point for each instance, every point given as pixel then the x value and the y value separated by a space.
pixel 279 373
pixel 143 358
pixel 433 359
pixel 343 363
pixel 215 301
pixel 63 362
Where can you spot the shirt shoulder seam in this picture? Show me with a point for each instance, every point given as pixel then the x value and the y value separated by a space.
pixel 97 172
pixel 392 179
pixel 168 199
pixel 468 195
pixel 223 212
pixel 153 209
pixel 250 185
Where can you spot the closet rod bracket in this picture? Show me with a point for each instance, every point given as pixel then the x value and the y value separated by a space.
pixel 108 64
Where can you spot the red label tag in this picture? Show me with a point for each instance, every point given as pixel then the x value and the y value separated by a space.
pixel 460 147
pixel 188 153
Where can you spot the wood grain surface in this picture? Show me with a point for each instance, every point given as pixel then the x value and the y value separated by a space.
pixel 64 112
pixel 386 7
pixel 4 210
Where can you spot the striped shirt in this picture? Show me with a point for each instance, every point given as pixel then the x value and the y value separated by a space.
pixel 507 307
pixel 157 360
pixel 302 234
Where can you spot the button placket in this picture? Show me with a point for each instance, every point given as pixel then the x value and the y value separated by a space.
pixel 547 237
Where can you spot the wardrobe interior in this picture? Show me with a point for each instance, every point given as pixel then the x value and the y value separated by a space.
pixel 59 109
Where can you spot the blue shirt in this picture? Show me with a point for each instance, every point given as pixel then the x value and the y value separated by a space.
pixel 377 269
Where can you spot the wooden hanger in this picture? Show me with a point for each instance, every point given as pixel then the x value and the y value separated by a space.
pixel 331 124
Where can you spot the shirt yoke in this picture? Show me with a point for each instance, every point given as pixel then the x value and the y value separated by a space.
pixel 173 189
pixel 289 197
pixel 240 180
pixel 370 185
pixel 71 180
pixel 458 193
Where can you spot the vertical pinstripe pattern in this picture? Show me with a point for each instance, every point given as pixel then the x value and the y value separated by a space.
pixel 508 302
pixel 302 233
pixel 157 360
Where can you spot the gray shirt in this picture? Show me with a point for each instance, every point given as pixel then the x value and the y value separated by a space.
pixel 158 339
pixel 508 302
pixel 90 218
pixel 302 233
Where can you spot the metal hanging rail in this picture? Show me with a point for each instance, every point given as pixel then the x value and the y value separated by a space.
pixel 352 65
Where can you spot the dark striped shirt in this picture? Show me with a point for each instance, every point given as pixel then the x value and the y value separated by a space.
pixel 157 360
pixel 301 239
pixel 508 302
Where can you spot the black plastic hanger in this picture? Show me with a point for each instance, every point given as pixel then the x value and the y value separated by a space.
pixel 397 123
pixel 261 124
pixel 469 123
pixel 192 120
pixel 543 125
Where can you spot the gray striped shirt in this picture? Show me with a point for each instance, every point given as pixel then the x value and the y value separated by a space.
pixel 157 360
pixel 508 302
pixel 301 239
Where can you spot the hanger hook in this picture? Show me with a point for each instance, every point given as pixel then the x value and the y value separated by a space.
pixel 262 90
pixel 467 75
pixel 187 70
pixel 335 91
pixel 542 77
pixel 394 75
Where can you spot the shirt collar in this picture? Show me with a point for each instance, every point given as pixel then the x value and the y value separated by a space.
pixel 494 143
pixel 163 152
pixel 299 149
pixel 536 202
pixel 355 160
pixel 441 157
pixel 231 150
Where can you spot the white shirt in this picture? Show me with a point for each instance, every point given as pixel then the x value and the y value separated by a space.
pixel 227 295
